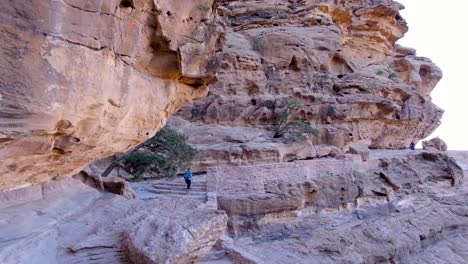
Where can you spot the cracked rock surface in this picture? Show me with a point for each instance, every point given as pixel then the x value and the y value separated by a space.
pixel 82 80
pixel 69 222
pixel 337 58
pixel 398 207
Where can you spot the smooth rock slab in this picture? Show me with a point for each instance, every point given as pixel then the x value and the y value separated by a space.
pixel 74 223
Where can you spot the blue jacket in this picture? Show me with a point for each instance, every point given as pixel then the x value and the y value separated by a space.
pixel 188 175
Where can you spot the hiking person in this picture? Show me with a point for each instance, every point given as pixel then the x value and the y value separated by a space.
pixel 412 146
pixel 188 178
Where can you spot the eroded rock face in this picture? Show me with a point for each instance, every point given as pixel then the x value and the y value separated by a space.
pixel 186 239
pixel 82 80
pixel 337 58
pixel 435 144
pixel 68 222
pixel 254 195
pixel 361 149
pixel 398 206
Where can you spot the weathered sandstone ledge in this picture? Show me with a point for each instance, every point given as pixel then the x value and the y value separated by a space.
pixel 337 58
pixel 68 222
pixel 398 207
pixel 82 80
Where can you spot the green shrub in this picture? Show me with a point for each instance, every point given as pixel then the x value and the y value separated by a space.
pixel 294 130
pixel 138 163
pixel 380 72
pixel 164 154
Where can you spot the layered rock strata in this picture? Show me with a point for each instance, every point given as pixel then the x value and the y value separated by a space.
pixel 339 59
pixel 398 207
pixel 253 193
pixel 82 80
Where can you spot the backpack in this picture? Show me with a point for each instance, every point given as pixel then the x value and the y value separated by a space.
pixel 187 175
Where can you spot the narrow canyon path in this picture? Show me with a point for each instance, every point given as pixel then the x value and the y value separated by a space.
pixel 173 188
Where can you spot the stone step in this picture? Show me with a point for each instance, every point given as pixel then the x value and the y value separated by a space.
pixel 181 183
pixel 183 191
pixel 174 196
pixel 197 197
pixel 98 256
pixel 179 188
pixel 216 257
pixel 215 254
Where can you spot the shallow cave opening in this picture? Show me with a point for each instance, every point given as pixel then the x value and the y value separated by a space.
pixel 253 101
pixel 340 76
pixel 423 72
pixel 195 85
pixel 293 65
pixel 339 65
pixel 127 4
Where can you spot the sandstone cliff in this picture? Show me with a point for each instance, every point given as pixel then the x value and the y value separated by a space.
pixel 397 207
pixel 81 80
pixel 337 58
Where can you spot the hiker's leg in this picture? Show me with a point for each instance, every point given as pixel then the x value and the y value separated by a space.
pixel 189 183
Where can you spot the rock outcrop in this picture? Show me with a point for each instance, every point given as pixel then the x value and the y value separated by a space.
pixel 337 58
pixel 252 193
pixel 361 149
pixel 82 80
pixel 435 144
pixel 399 206
pixel 68 222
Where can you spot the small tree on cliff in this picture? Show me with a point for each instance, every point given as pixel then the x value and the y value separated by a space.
pixel 283 127
pixel 164 154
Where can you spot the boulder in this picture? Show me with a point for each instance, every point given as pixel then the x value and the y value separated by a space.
pixel 361 149
pixel 435 144
pixel 185 237
pixel 118 186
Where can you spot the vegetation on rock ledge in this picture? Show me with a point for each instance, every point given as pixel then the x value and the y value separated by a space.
pixel 164 154
pixel 294 130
